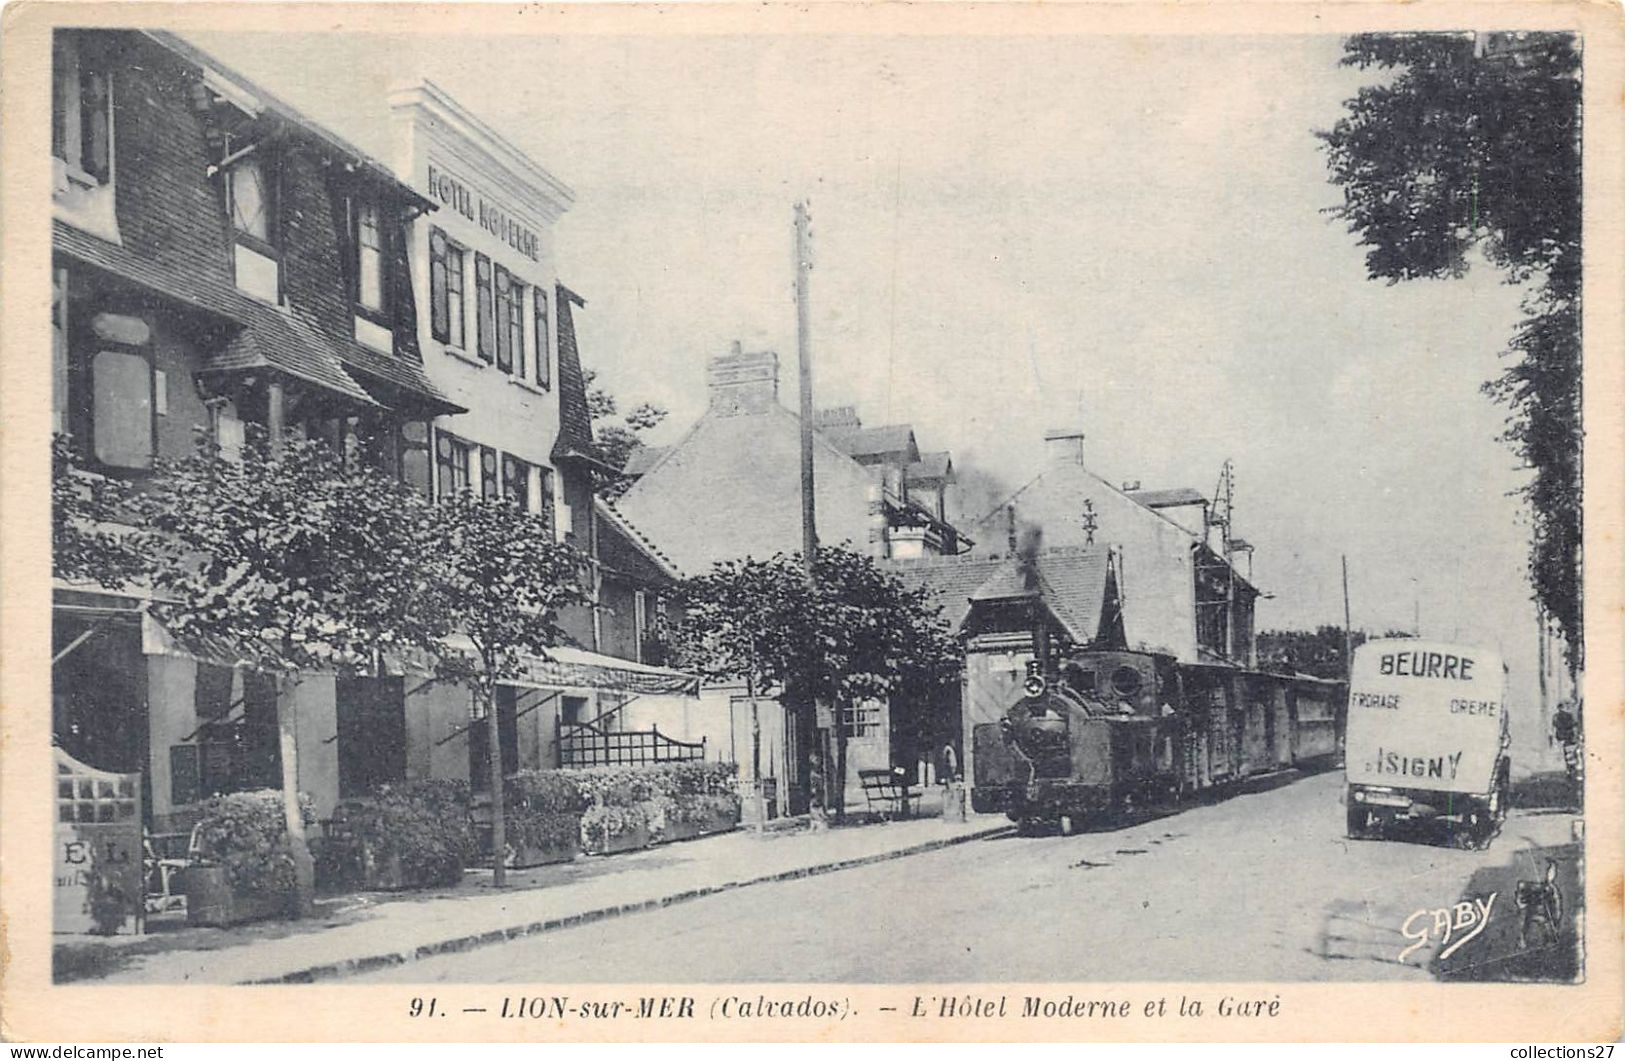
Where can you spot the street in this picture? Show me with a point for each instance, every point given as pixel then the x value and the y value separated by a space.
pixel 1258 887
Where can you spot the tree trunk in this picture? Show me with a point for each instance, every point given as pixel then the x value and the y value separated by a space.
pixel 756 754
pixel 838 791
pixel 499 820
pixel 304 868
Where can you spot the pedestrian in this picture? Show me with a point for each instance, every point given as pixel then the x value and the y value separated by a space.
pixel 947 764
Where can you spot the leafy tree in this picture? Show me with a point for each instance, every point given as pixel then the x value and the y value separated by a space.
pixel 852 633
pixel 1318 652
pixel 617 439
pixel 301 560
pixel 1472 141
pixel 96 524
pixel 498 579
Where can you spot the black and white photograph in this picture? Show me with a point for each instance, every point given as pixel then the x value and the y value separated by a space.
pixel 813 516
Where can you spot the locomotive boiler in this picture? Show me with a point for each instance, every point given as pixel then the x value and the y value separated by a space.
pixel 1102 731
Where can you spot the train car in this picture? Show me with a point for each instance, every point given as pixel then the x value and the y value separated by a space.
pixel 1108 730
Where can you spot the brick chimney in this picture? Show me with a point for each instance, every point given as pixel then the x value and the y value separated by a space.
pixel 1063 445
pixel 743 383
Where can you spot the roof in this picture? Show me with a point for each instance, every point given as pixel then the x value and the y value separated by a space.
pixel 364 162
pixel 874 441
pixel 931 467
pixel 1183 495
pixel 643 458
pixel 288 343
pixel 192 287
pixel 403 382
pixel 1071 583
pixel 640 544
pixel 575 422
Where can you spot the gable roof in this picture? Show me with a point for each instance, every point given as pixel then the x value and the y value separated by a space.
pixel 1182 495
pixel 628 550
pixel 874 441
pixel 931 467
pixel 642 459
pixel 1072 583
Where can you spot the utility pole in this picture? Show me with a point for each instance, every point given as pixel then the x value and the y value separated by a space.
pixel 817 752
pixel 1348 628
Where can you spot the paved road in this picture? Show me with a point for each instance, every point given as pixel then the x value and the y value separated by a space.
pixel 1259 887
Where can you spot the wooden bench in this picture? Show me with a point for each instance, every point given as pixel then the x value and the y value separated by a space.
pixel 888 788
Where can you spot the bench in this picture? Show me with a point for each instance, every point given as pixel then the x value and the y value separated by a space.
pixel 889 788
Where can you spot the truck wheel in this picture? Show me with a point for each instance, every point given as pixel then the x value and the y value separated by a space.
pixel 1359 824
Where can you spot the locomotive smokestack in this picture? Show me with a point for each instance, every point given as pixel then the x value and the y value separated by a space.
pixel 1032 540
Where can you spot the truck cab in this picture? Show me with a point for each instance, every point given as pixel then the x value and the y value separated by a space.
pixel 1427 738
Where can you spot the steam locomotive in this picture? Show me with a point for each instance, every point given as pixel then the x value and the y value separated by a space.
pixel 1102 731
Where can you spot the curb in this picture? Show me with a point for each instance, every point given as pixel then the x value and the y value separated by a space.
pixel 369 963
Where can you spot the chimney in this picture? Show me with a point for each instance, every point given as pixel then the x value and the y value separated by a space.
pixel 1063 445
pixel 743 383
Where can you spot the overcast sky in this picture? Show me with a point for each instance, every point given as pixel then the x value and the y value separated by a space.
pixel 1124 233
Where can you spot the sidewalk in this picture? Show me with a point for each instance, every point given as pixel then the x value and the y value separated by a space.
pixel 354 933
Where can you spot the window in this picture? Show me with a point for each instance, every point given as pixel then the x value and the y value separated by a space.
pixel 122 406
pixel 516 481
pixel 81 112
pixel 479 742
pixel 486 323
pixel 544 344
pixel 504 283
pixel 369 251
pixel 251 203
pixel 451 463
pixel 489 483
pixel 446 306
pixel 640 622
pixel 516 325
pixel 863 719
pixel 371 724
pixel 228 429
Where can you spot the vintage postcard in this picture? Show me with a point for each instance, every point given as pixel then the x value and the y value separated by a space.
pixel 833 522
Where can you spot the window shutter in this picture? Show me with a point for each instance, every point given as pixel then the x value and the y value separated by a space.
pixel 487 312
pixel 439 294
pixel 546 485
pixel 489 487
pixel 516 324
pixel 95 152
pixel 543 343
pixel 504 332
pixel 445 476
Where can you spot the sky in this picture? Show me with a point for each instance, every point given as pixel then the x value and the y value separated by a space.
pixel 1123 233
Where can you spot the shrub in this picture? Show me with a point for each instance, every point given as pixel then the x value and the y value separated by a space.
pixel 544 808
pixel 245 833
pixel 424 824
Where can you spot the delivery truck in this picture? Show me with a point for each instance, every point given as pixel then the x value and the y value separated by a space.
pixel 1427 739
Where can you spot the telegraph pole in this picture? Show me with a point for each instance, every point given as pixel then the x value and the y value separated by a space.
pixel 803 262
pixel 1348 629
pixel 817 753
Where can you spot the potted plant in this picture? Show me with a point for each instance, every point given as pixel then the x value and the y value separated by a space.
pixel 544 817
pixel 243 868
pixel 412 835
pixel 611 829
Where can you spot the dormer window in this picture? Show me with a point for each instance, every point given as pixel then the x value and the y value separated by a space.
pixel 369 242
pixel 81 112
pixel 251 203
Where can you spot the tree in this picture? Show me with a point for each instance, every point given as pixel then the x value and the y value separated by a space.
pixel 498 578
pixel 853 633
pixel 96 524
pixel 617 440
pixel 1473 141
pixel 299 559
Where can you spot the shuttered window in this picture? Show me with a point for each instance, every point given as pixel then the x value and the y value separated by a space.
pixel 486 325
pixel 446 306
pixel 451 464
pixel 516 481
pixel 545 495
pixel 516 325
pixel 544 342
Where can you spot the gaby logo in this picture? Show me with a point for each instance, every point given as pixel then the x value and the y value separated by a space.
pixel 1453 927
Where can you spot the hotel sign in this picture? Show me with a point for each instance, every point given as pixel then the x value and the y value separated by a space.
pixel 480 210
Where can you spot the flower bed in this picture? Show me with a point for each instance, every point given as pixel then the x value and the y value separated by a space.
pixel 243 868
pixel 412 835
pixel 633 807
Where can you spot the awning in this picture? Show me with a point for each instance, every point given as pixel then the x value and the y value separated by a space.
pixel 575 668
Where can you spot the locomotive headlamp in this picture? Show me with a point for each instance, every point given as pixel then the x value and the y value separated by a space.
pixel 1035 685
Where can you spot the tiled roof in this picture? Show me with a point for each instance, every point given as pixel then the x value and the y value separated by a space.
pixel 615 523
pixel 288 343
pixel 1182 495
pixel 192 287
pixel 875 441
pixel 949 581
pixel 575 422
pixel 404 381
pixel 643 458
pixel 931 466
